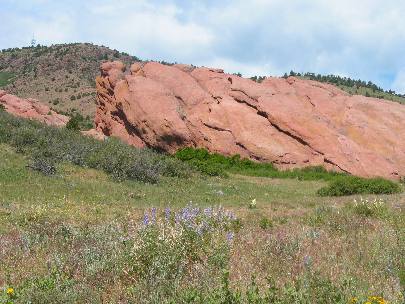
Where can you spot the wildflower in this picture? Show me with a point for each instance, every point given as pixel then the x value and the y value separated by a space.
pixel 146 219
pixel 252 204
pixel 354 300
pixel 375 300
pixel 153 215
pixel 10 292
pixel 229 236
pixel 167 214
pixel 208 211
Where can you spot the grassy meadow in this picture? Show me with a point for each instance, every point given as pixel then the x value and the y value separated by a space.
pixel 89 222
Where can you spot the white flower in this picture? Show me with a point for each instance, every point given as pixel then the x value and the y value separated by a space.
pixel 252 204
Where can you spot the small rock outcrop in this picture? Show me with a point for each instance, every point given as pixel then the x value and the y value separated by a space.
pixel 31 109
pixel 291 122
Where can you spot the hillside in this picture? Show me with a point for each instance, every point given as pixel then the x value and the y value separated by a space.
pixel 60 75
pixel 63 75
pixel 352 86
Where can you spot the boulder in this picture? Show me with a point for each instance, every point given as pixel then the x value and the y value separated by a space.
pixel 31 109
pixel 291 122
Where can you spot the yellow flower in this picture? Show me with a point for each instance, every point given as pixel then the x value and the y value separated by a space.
pixel 10 291
pixel 376 300
pixel 354 300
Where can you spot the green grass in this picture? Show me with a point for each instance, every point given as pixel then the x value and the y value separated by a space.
pixel 91 190
pixel 5 78
pixel 68 238
pixel 341 184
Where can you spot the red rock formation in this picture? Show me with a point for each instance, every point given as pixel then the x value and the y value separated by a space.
pixel 290 122
pixel 32 109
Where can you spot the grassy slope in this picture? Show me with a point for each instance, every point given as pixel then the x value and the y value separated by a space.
pixel 93 196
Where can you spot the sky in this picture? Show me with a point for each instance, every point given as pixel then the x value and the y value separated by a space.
pixel 361 39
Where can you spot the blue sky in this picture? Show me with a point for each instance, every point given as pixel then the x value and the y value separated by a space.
pixel 361 39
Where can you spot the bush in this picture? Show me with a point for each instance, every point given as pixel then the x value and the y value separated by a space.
pixel 43 165
pixel 118 159
pixel 2 108
pixel 341 184
pixel 215 164
pixel 265 223
pixel 355 185
pixel 73 123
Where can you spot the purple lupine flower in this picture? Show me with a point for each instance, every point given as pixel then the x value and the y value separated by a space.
pixel 208 211
pixel 229 236
pixel 167 214
pixel 146 219
pixel 231 215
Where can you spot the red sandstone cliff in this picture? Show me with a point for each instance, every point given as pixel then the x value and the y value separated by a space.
pixel 290 122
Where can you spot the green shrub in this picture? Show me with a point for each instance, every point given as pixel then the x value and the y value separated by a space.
pixel 219 165
pixel 341 184
pixel 265 223
pixel 43 165
pixel 118 159
pixel 351 185
pixel 73 123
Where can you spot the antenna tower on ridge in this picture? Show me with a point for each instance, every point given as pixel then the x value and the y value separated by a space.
pixel 33 41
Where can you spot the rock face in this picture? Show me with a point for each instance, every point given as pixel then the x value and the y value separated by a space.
pixel 289 122
pixel 31 109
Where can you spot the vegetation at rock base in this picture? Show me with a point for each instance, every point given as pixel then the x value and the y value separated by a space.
pixel 340 184
pixel 77 121
pixel 45 144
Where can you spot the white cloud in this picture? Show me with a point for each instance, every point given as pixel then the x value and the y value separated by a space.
pixel 362 39
pixel 247 70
